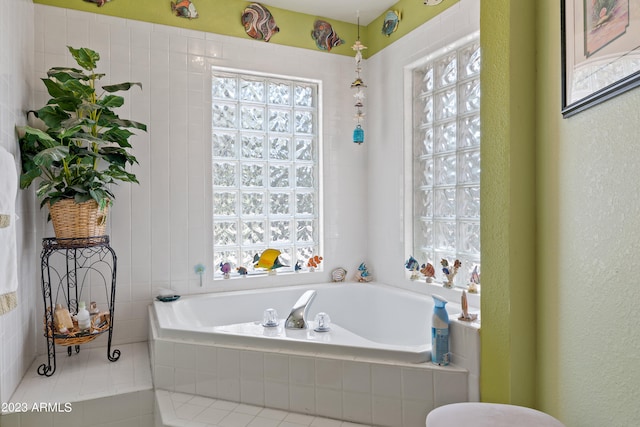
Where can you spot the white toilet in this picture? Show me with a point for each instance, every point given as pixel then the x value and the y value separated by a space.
pixel 488 415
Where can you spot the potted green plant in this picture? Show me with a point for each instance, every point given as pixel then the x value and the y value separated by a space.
pixel 83 149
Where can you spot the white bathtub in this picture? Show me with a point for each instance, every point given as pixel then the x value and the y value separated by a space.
pixel 368 320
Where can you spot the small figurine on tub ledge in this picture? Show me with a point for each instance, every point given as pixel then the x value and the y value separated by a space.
pixel 429 272
pixel 269 259
pixel 465 316
pixel 226 269
pixel 449 272
pixel 242 271
pixel 297 267
pixel 474 281
pixel 338 274
pixel 413 266
pixel 314 262
pixel 363 275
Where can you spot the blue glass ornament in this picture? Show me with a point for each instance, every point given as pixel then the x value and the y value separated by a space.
pixel 358 135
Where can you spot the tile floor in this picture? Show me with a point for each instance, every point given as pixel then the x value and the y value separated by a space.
pixel 186 410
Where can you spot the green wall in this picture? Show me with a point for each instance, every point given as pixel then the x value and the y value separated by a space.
pixel 507 36
pixel 223 17
pixel 548 164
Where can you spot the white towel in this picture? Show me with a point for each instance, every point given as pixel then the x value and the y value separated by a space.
pixel 8 248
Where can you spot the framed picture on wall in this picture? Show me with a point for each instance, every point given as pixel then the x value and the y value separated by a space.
pixel 600 51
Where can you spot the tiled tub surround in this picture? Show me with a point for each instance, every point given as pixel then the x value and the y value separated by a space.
pixel 353 388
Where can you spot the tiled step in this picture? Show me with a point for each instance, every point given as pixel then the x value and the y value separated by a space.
pixel 87 390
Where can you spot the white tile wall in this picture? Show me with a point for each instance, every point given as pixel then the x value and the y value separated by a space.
pixel 160 229
pixel 17 327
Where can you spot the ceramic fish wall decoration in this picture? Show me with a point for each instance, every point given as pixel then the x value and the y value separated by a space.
pixel 324 35
pixel 98 2
pixel 391 21
pixel 258 22
pixel 184 9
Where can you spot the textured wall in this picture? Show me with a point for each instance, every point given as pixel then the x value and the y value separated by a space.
pixel 507 38
pixel 589 233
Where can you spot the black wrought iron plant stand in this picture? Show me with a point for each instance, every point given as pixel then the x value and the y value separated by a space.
pixel 85 259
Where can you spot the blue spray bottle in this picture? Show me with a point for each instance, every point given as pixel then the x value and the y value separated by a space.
pixel 439 332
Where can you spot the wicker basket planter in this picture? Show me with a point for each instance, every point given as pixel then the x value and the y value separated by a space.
pixel 73 220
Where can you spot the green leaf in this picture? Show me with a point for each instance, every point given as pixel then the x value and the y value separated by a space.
pixel 80 89
pixel 129 124
pixel 122 175
pixel 65 103
pixel 118 135
pixel 33 134
pixel 64 74
pixel 87 107
pixel 82 197
pixel 67 133
pixel 111 101
pixel 52 116
pixel 115 158
pixel 54 88
pixel 28 176
pixel 46 157
pixel 75 121
pixel 86 58
pixel 121 86
pixel 79 189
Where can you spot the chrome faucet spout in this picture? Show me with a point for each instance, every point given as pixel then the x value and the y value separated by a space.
pixel 297 317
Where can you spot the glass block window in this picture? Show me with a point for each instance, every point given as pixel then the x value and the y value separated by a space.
pixel 446 159
pixel 265 177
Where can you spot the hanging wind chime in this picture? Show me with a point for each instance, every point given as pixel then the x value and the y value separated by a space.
pixel 358 85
